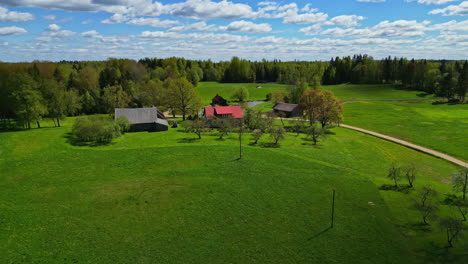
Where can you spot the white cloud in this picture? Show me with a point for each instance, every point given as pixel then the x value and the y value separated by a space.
pixel 12 31
pixel 451 26
pixel 345 20
pixel 311 30
pixel 205 9
pixel 153 22
pixel 398 29
pixel 433 2
pixel 199 26
pixel 53 27
pixel 90 34
pixel 266 3
pixel 50 18
pixel 247 26
pixel 114 19
pixel 12 16
pixel 452 10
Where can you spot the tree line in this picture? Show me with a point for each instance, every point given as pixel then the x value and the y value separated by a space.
pixel 30 92
pixel 447 79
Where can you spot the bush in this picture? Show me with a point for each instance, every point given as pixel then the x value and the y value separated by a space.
pixel 123 123
pixel 95 129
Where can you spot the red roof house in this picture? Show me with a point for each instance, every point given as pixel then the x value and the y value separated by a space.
pixel 234 111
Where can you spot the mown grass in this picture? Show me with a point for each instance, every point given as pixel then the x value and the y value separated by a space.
pixel 208 90
pixel 442 127
pixel 166 198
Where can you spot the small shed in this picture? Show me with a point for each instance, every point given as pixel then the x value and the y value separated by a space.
pixel 144 119
pixel 288 110
pixel 218 100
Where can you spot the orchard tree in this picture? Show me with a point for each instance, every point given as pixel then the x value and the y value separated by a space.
pixel 460 181
pixel 394 173
pixel 277 133
pixel 410 174
pixel 315 133
pixel 183 97
pixel 424 203
pixel 453 228
pixel 196 126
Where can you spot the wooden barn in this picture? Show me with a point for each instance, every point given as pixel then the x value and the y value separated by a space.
pixel 218 100
pixel 288 110
pixel 144 119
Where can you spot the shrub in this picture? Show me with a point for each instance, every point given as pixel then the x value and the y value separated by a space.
pixel 95 129
pixel 123 123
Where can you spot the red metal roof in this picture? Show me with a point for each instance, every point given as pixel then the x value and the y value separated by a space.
pixel 235 111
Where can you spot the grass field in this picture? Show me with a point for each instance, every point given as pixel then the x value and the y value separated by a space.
pixel 441 127
pixel 372 91
pixel 167 198
pixel 208 90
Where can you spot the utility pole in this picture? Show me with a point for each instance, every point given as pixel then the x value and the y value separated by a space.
pixel 240 139
pixel 333 210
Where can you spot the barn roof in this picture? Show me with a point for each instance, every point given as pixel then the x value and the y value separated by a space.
pixel 284 107
pixel 140 115
pixel 217 97
pixel 235 111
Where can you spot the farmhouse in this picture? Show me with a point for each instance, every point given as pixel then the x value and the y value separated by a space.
pixel 234 111
pixel 144 119
pixel 218 100
pixel 288 110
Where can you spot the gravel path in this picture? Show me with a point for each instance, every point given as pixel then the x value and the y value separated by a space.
pixel 410 145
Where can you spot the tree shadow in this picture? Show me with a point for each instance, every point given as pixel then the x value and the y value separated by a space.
pixel 421 227
pixel 403 188
pixel 443 254
pixel 73 141
pixel 269 145
pixel 320 233
pixel 423 94
pixel 187 140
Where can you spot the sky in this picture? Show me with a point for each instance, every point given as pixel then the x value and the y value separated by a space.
pixel 55 30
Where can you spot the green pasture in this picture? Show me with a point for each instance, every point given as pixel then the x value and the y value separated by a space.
pixel 441 127
pixel 169 198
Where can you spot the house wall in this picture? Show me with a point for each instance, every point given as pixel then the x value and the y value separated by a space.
pixel 150 127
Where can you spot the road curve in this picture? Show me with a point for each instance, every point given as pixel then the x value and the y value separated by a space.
pixel 409 145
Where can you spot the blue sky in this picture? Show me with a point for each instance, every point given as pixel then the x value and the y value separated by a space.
pixel 211 29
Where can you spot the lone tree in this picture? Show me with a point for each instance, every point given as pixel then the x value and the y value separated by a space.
pixel 183 96
pixel 462 207
pixel 196 126
pixel 460 181
pixel 240 94
pixel 277 133
pixel 262 126
pixel 321 106
pixel 297 126
pixel 453 228
pixel 394 174
pixel 315 132
pixel 424 203
pixel 410 174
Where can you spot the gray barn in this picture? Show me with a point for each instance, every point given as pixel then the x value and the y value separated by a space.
pixel 289 110
pixel 144 119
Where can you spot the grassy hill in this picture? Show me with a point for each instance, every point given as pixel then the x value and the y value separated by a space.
pixel 167 198
pixel 441 127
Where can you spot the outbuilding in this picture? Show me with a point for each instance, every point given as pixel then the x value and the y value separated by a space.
pixel 144 119
pixel 288 110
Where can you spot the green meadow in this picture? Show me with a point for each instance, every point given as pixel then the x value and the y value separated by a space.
pixel 208 90
pixel 441 127
pixel 169 198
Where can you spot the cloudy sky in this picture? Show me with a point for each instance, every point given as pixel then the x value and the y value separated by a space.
pixel 212 29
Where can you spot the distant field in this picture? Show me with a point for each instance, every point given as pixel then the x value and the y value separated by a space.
pixel 441 127
pixel 208 90
pixel 167 198
pixel 371 91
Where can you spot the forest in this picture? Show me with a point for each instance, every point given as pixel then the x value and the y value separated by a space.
pixel 35 90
